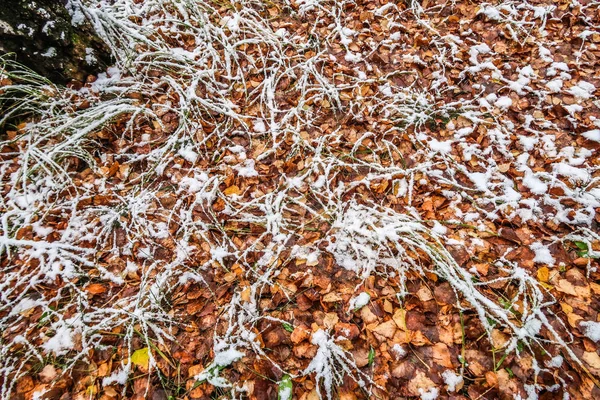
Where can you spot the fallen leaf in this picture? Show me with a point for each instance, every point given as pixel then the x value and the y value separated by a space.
pixel 592 359
pixel 141 358
pixel 441 355
pixel 543 274
pixel 386 329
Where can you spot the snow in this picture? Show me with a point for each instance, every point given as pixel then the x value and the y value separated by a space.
pixel 359 301
pixel 491 12
pixel 6 28
pixel 593 135
pixel 246 169
pixel 535 184
pixel 542 254
pixel 591 330
pixel 259 126
pixel 194 184
pixel 442 147
pixel 118 376
pixel 227 357
pixel 47 26
pixel 285 393
pixel 352 57
pixel 90 56
pixel 50 52
pixel 439 229
pixel 480 179
pixel 62 341
pixel 555 362
pixel 573 173
pixel 77 16
pixel 471 161
pixel 555 67
pixel 189 154
pixel 430 394
pixel 24 305
pixel 398 350
pixel 330 364
pixel 555 85
pixel 503 102
pixel 582 90
pixel 452 380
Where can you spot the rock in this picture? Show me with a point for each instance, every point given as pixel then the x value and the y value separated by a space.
pixel 55 42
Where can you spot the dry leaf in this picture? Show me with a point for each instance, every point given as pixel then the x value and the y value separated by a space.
pixel 441 355
pixel 387 329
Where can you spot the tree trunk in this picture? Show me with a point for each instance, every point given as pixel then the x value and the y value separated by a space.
pixel 52 38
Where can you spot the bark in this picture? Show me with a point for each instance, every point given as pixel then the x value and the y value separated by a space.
pixel 53 38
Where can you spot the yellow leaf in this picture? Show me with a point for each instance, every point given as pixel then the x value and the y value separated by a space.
pixel 400 319
pixel 543 274
pixel 141 358
pixel 232 190
pixel 567 309
pixel 573 319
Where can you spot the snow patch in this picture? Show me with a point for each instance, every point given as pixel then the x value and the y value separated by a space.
pixel 591 330
pixel 542 254
pixel 359 301
pixel 451 379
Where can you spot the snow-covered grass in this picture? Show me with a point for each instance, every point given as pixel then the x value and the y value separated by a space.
pixel 205 91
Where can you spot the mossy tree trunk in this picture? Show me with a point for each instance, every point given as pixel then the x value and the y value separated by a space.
pixel 53 38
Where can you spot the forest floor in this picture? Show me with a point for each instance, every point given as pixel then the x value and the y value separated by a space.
pixel 308 199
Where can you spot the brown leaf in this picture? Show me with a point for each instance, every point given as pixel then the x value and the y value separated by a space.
pixel 300 334
pixel 592 359
pixel 330 320
pixel 420 384
pixel 564 286
pixel 331 298
pixel 96 288
pixel 48 373
pixel 386 329
pixel 367 315
pixel 441 355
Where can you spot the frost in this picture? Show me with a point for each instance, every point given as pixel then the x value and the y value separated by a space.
pixel 331 364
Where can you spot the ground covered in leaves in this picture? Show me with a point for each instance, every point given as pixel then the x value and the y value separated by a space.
pixel 307 199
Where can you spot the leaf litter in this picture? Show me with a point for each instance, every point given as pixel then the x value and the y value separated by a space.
pixel 307 199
